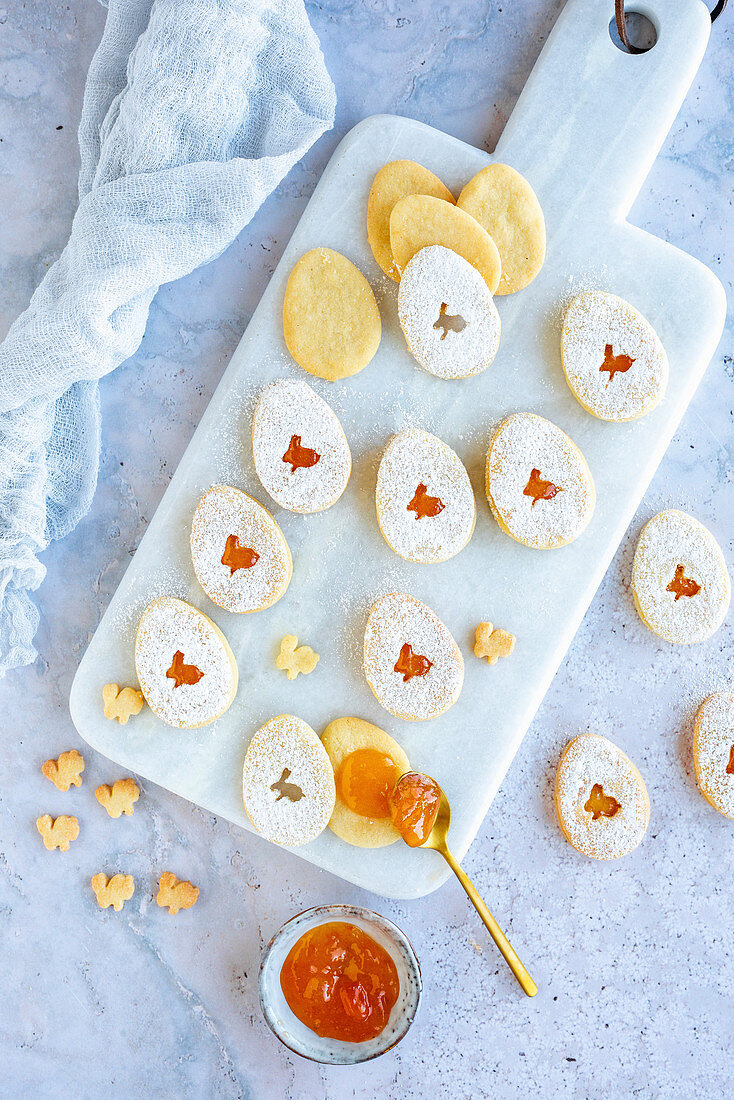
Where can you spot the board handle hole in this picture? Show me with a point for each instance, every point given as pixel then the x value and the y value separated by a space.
pixel 641 32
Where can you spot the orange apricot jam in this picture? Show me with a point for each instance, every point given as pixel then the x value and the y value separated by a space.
pixel 340 982
pixel 364 781
pixel 414 806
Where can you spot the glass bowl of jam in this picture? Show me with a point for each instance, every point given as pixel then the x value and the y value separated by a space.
pixel 339 984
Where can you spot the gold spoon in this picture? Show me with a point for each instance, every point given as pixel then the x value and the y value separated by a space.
pixel 437 839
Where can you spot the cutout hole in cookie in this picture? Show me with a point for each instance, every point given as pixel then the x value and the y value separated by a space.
pixel 285 789
pixel 600 804
pixel 730 765
pixel 682 585
pixel 410 664
pixel 181 673
pixel 449 322
pixel 236 556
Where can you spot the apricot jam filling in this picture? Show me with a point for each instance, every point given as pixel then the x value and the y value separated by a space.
pixel 410 664
pixel 414 806
pixel 181 673
pixel 683 585
pixel 600 804
pixel 340 982
pixel 364 782
pixel 539 489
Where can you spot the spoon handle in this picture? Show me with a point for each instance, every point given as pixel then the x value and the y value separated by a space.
pixel 508 952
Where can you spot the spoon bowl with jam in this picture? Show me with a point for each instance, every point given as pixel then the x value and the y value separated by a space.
pixel 421 813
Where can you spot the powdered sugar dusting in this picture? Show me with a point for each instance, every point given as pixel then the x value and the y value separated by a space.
pixel 713 751
pixel 414 457
pixel 288 743
pixel 168 625
pixel 524 442
pixel 592 759
pixel 669 539
pixel 438 281
pixel 594 320
pixel 397 619
pixel 290 407
pixel 225 511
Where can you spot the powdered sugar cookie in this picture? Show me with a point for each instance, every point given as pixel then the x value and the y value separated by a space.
pixel 538 484
pixel 680 581
pixel 394 181
pixel 504 203
pixel 418 221
pixel 713 751
pixel 446 311
pixel 186 670
pixel 240 556
pixel 331 322
pixel 613 359
pixel 301 453
pixel 288 782
pixel 411 661
pixel 425 503
pixel 367 764
pixel 601 799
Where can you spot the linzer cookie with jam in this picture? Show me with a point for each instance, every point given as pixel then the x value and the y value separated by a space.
pixel 713 751
pixel 411 661
pixel 680 582
pixel 186 670
pixel 425 503
pixel 601 799
pixel 538 484
pixel 239 553
pixel 288 782
pixel 613 359
pixel 301 453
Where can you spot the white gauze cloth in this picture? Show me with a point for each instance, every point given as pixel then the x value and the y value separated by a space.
pixel 194 111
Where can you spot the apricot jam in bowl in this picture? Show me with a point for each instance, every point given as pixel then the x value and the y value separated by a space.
pixel 339 984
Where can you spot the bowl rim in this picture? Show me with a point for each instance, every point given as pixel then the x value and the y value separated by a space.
pixel 345 910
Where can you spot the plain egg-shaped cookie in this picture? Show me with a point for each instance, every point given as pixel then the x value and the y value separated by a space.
pixel 680 581
pixel 239 553
pixel 288 782
pixel 504 203
pixel 447 314
pixel 394 181
pixel 300 451
pixel 186 669
pixel 425 503
pixel 612 357
pixel 713 751
pixel 411 661
pixel 341 738
pixel 538 483
pixel 331 322
pixel 418 221
pixel 600 797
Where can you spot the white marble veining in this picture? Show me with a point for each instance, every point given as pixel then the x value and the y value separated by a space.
pixel 634 960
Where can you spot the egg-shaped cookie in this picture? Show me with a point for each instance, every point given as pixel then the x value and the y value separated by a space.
pixel 538 484
pixel 288 782
pixel 411 661
pixel 239 553
pixel 504 203
pixel 425 503
pixel 601 799
pixel 418 221
pixel 447 314
pixel 186 670
pixel 331 322
pixel 612 357
pixel 713 751
pixel 394 181
pixel 680 582
pixel 301 453
pixel 367 764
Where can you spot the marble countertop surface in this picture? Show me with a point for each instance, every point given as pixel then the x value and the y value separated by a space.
pixel 634 959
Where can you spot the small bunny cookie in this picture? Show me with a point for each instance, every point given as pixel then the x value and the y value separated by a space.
pixel 600 798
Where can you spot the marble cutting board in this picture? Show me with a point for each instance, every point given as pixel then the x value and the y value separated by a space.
pixel 585 132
